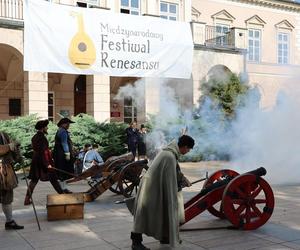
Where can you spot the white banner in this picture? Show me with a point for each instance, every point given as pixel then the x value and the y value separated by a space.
pixel 66 39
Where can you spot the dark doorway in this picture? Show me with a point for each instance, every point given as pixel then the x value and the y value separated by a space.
pixel 80 95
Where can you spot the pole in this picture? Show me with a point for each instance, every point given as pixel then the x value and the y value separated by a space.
pixel 203 179
pixel 65 172
pixel 30 195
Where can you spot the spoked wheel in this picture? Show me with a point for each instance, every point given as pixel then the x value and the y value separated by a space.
pixel 129 180
pixel 115 188
pixel 216 209
pixel 248 201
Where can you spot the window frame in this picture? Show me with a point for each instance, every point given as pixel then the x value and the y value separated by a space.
pixel 220 36
pixel 168 14
pixel 288 48
pixel 51 118
pixel 14 107
pixel 133 108
pixel 253 46
pixel 88 3
pixel 130 9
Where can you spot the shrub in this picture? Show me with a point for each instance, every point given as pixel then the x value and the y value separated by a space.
pixel 110 136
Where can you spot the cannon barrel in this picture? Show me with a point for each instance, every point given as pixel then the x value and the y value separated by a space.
pixel 258 172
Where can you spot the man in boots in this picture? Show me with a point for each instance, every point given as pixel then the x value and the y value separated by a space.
pixel 64 156
pixel 42 162
pixel 158 207
pixel 8 152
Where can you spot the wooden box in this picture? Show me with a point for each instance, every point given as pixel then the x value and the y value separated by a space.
pixel 65 206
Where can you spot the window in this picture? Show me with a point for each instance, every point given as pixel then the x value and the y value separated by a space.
pixel 130 7
pixel 88 3
pixel 283 48
pixel 14 107
pixel 130 110
pixel 51 106
pixel 169 11
pixel 254 45
pixel 221 31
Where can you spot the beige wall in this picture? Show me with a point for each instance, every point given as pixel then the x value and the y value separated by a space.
pixel 11 69
pixel 267 74
pixel 204 60
pixel 63 88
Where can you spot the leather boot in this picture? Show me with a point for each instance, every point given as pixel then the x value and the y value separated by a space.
pixel 29 192
pixel 137 242
pixel 12 225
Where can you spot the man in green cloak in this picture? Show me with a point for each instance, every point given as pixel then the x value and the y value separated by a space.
pixel 158 207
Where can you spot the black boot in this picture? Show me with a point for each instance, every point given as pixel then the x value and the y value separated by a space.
pixel 28 199
pixel 137 242
pixel 12 225
pixel 165 241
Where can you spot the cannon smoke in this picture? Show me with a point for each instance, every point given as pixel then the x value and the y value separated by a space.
pixel 257 137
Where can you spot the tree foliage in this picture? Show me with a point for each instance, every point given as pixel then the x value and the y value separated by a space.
pixel 226 93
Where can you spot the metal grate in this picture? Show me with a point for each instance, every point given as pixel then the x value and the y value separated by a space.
pixel 214 38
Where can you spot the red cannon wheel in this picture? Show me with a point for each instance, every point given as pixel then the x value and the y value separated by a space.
pixel 248 201
pixel 216 210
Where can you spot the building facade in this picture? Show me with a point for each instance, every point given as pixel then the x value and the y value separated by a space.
pixel 257 39
pixel 272 31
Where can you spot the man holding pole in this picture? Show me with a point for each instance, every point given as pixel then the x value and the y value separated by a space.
pixel 158 207
pixel 42 163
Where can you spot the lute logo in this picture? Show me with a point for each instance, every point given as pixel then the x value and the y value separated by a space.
pixel 82 52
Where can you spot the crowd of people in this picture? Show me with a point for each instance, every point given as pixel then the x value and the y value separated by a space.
pixel 159 190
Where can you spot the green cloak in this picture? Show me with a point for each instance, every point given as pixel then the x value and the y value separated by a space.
pixel 156 210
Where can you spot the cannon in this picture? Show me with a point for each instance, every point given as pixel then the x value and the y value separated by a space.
pixel 120 174
pixel 246 200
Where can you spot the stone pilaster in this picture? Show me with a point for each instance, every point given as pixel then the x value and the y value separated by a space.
pixel 36 94
pixel 98 97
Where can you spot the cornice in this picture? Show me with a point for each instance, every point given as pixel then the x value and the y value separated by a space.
pixel 274 4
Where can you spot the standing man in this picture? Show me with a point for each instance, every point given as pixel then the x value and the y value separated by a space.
pixel 63 152
pixel 42 162
pixel 132 138
pixel 142 143
pixel 160 192
pixel 8 179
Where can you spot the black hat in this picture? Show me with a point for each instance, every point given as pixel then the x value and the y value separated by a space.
pixel 63 121
pixel 41 124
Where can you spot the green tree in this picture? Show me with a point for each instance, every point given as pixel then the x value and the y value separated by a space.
pixel 227 92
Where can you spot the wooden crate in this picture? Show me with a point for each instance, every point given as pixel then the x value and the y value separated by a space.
pixel 65 206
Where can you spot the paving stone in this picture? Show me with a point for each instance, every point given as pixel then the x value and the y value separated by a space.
pixel 107 226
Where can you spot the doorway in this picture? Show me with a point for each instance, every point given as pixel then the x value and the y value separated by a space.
pixel 80 95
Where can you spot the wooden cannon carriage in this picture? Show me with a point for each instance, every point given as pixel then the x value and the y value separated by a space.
pixel 120 174
pixel 246 200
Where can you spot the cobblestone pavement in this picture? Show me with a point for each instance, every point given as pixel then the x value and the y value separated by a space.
pixel 107 225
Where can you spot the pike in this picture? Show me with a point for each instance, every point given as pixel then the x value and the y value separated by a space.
pixel 65 172
pixel 30 195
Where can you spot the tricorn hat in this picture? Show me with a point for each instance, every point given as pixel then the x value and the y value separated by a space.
pixel 63 121
pixel 41 124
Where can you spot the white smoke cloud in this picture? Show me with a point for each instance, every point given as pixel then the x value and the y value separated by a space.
pixel 270 139
pixel 136 91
